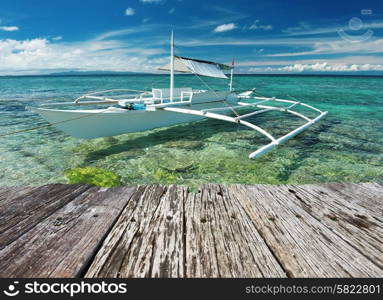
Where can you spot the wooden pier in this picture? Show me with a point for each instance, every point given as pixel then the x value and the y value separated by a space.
pixel 324 230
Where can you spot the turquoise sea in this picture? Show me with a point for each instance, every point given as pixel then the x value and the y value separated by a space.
pixel 345 146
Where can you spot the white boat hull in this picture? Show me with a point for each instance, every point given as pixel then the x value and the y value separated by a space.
pixel 114 121
pixel 109 122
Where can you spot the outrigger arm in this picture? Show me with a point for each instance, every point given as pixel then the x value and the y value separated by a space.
pixel 264 108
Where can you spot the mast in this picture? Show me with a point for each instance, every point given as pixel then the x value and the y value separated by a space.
pixel 171 66
pixel 231 76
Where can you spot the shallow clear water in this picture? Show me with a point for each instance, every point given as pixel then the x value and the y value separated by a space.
pixel 345 146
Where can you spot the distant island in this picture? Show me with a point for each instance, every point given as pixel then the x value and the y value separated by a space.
pixel 72 73
pixel 116 73
pixel 89 73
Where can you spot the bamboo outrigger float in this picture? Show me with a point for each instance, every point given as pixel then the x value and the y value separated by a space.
pixel 132 110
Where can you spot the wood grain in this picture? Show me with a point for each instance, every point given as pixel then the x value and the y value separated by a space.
pixel 22 208
pixel 147 240
pixel 62 244
pixel 221 239
pixel 368 195
pixel 351 221
pixel 315 230
pixel 304 246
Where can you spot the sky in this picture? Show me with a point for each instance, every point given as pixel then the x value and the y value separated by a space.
pixel 262 36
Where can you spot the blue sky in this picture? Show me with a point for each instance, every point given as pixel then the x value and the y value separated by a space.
pixel 263 36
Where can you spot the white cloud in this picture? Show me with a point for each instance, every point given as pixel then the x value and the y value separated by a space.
pixel 57 38
pixel 307 42
pixel 305 28
pixel 9 28
pixel 227 12
pixel 312 46
pixel 225 27
pixel 339 46
pixel 122 32
pixel 256 26
pixel 40 56
pixel 321 67
pixel 172 10
pixel 347 60
pixel 145 20
pixel 302 27
pixel 130 11
pixel 217 15
pixel 325 67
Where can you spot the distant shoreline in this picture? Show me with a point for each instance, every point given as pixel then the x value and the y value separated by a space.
pixel 156 74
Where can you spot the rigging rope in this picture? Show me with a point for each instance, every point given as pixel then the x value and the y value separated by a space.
pixel 259 94
pixel 224 100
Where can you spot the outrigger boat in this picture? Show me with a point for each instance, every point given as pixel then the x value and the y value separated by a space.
pixel 135 111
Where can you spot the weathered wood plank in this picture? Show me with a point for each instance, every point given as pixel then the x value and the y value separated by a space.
pixel 326 230
pixel 302 244
pixel 367 195
pixel 62 244
pixel 26 207
pixel 352 222
pixel 222 241
pixel 9 193
pixel 147 240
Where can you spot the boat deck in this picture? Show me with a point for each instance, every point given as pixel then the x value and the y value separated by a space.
pixel 324 230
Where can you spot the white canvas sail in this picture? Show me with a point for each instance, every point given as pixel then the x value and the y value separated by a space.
pixel 199 67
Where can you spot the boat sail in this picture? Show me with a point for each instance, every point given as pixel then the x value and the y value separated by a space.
pixel 196 66
pixel 135 111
